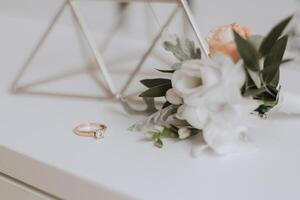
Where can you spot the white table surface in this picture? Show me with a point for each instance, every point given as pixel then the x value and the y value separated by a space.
pixel 38 147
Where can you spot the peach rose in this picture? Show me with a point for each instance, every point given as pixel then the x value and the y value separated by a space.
pixel 222 40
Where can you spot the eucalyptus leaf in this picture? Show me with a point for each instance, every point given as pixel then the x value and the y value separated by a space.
pixel 150 83
pixel 176 66
pixel 170 110
pixel 183 49
pixel 272 37
pixel 176 49
pixel 248 53
pixel 157 91
pixel 194 53
pixel 190 47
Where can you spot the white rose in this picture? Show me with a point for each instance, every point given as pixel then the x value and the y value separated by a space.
pixel 192 77
pixel 211 90
pixel 206 85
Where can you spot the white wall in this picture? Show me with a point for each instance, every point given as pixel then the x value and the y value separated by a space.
pixel 259 14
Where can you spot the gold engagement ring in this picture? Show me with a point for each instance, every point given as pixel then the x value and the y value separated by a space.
pixel 95 130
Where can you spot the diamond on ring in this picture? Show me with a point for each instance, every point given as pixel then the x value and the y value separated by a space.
pixel 99 134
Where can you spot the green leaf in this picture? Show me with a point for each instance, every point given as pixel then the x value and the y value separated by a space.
pixel 249 82
pixel 157 91
pixel 154 135
pixel 273 61
pixel 159 143
pixel 155 82
pixel 166 71
pixel 272 37
pixel 166 104
pixel 263 109
pixel 256 41
pixel 287 60
pixel 168 133
pixel 275 80
pixel 255 77
pixel 247 52
pixel 254 92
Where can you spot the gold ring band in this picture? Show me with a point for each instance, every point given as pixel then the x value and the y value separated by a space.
pixel 91 130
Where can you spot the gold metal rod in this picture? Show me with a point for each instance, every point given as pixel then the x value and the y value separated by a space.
pixel 93 46
pixel 192 21
pixel 154 42
pixel 36 49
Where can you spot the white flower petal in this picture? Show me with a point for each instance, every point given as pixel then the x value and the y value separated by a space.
pixel 173 98
pixel 195 116
pixel 221 140
pixel 184 133
pixel 188 79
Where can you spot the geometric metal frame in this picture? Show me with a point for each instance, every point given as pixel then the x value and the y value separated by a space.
pixel 92 44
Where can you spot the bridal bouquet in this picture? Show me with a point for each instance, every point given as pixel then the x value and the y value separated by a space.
pixel 215 96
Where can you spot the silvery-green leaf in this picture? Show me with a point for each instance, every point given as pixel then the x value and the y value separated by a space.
pixel 154 119
pixel 272 37
pixel 191 50
pixel 176 66
pixel 147 124
pixel 166 112
pixel 176 49
pixel 188 47
pixel 183 49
